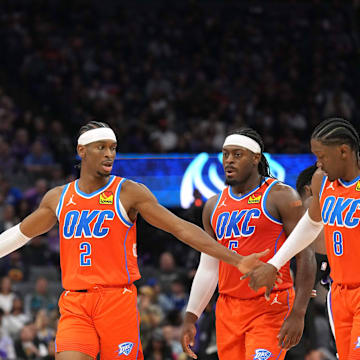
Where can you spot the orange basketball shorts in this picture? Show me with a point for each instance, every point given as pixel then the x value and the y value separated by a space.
pixel 344 305
pixel 104 319
pixel 248 329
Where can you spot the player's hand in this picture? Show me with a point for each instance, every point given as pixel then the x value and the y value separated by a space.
pixel 264 275
pixel 251 262
pixel 188 333
pixel 291 331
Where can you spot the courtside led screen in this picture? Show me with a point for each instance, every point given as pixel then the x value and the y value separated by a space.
pixel 174 177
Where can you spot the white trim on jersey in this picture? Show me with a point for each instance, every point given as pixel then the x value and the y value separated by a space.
pixel 119 208
pixel 263 204
pixel 61 201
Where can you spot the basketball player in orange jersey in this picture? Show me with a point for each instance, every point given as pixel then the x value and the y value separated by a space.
pixel 96 216
pixel 253 213
pixel 335 206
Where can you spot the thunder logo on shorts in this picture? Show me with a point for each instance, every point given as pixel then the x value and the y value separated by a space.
pixel 262 354
pixel 125 348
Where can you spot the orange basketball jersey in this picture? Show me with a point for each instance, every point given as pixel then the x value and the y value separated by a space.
pixel 243 224
pixel 340 212
pixel 97 239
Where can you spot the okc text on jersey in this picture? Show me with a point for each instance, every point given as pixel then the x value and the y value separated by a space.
pixel 340 211
pixel 86 223
pixel 228 224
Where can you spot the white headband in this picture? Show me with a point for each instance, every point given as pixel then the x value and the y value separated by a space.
pixel 243 141
pixel 97 134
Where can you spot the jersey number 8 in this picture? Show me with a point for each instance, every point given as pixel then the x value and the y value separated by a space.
pixel 338 243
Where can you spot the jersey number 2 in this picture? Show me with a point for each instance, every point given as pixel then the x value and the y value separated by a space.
pixel 338 243
pixel 85 252
pixel 233 244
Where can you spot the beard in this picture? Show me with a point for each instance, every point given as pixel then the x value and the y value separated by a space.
pixel 232 182
pixel 103 174
pixel 239 179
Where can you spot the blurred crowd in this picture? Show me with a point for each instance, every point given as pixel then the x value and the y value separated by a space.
pixel 178 78
pixel 167 79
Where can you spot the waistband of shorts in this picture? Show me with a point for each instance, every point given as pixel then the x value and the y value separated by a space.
pixel 102 287
pixel 257 296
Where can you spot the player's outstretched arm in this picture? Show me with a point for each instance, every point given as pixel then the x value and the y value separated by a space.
pixel 146 204
pixel 37 223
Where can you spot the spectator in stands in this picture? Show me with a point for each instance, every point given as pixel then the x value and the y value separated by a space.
pixel 7 296
pixel 14 267
pixel 61 145
pixel 168 272
pixel 28 345
pixel 39 161
pixel 37 252
pixel 176 299
pixel 9 218
pixel 64 74
pixel 8 163
pixel 151 313
pixel 17 319
pixel 40 299
pixel 158 349
pixel 7 350
pixel 20 146
pixel 166 137
pixel 23 209
pixel 34 195
pixel 51 351
pixel 172 338
pixel 8 194
pixel 43 331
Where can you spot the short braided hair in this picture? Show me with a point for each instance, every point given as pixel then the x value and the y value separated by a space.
pixel 337 131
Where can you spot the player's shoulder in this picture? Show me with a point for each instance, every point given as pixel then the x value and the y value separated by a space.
pixel 133 193
pixel 55 191
pixel 282 195
pixel 281 189
pixel 133 186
